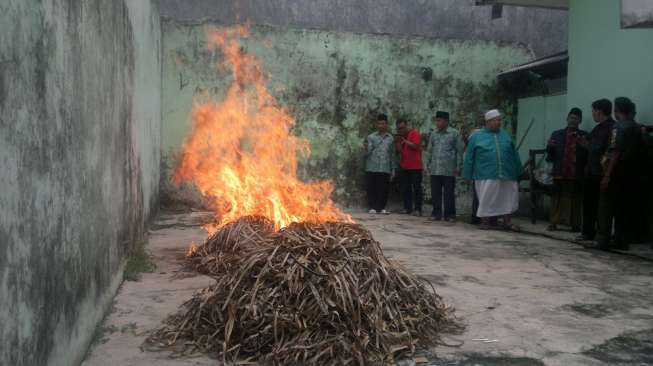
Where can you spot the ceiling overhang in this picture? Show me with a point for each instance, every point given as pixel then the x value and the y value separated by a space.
pixel 550 67
pixel 548 4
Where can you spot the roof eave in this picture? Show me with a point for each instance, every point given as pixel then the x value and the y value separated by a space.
pixel 548 68
pixel 547 4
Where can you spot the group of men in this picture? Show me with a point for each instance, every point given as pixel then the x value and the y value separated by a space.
pixel 597 175
pixel 490 160
pixel 600 177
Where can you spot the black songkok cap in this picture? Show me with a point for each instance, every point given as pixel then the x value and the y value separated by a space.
pixel 576 112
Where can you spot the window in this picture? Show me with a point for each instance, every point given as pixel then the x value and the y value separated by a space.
pixel 636 14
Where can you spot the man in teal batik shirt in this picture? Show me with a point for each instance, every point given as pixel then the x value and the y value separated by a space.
pixel 492 162
pixel 379 165
pixel 444 156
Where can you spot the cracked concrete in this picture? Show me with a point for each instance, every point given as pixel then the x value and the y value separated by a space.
pixel 544 301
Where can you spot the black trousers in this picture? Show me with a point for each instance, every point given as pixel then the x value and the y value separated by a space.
pixel 591 196
pixel 411 188
pixel 475 220
pixel 378 188
pixel 641 209
pixel 443 190
pixel 617 204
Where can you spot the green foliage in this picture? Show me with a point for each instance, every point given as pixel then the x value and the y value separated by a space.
pixel 140 261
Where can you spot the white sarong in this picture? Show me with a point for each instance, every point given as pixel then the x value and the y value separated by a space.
pixel 496 197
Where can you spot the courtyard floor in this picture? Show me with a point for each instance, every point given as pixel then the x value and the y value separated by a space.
pixel 540 300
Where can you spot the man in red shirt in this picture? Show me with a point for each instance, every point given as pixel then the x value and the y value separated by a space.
pixel 408 143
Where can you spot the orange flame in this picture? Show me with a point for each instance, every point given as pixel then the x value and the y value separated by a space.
pixel 192 249
pixel 241 154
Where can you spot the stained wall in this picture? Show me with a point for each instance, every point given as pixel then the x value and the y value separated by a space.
pixel 79 162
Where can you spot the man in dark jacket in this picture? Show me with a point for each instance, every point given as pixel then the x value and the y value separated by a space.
pixel 647 137
pixel 599 141
pixel 569 159
pixel 622 174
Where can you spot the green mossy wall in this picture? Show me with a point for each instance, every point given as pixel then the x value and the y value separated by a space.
pixel 335 83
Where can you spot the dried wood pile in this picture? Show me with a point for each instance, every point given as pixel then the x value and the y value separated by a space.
pixel 310 294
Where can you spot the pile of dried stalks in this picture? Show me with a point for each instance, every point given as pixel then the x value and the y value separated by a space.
pixel 311 294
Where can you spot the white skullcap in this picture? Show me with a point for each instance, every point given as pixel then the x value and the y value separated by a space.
pixel 492 114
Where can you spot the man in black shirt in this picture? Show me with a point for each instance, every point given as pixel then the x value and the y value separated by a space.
pixel 641 215
pixel 647 194
pixel 619 185
pixel 598 143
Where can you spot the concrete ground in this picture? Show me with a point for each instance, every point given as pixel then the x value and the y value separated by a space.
pixel 643 250
pixel 540 301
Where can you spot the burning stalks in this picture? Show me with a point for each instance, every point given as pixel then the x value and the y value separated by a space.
pixel 296 282
pixel 313 294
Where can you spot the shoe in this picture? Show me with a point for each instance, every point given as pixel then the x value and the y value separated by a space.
pixel 406 212
pixel 384 212
pixel 583 237
pixel 372 211
pixel 435 218
pixel 450 220
pixel 575 229
pixel 418 213
pixel 596 246
pixel 552 227
pixel 624 247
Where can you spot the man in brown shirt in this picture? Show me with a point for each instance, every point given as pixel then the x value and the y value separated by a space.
pixel 569 160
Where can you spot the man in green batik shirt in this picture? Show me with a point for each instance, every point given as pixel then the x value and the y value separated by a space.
pixel 379 165
pixel 443 162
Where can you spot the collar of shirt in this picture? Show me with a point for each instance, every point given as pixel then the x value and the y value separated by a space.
pixel 605 123
pixel 408 132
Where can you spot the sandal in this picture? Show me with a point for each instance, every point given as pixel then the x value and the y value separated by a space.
pixel 511 227
pixel 487 224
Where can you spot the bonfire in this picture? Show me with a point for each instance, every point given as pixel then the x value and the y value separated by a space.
pixel 296 280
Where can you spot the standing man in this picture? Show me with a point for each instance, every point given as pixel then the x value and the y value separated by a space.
pixel 408 144
pixel 379 165
pixel 647 194
pixel 620 179
pixel 599 140
pixel 569 160
pixel 443 162
pixel 492 161
pixel 475 220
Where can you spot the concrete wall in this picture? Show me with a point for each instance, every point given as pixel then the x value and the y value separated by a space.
pixel 335 83
pixel 549 113
pixel 79 156
pixel 443 19
pixel 606 61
